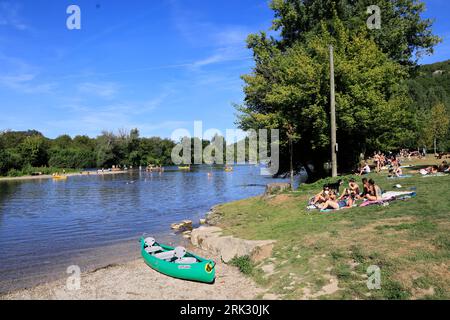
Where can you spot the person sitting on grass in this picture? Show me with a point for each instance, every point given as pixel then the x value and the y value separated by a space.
pixel 341 203
pixel 444 167
pixel 395 171
pixel 365 169
pixel 332 195
pixel 322 196
pixel 374 191
pixel 366 188
pixel 352 190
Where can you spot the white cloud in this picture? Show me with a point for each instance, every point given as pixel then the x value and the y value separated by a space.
pixel 24 83
pixel 78 104
pixel 19 76
pixel 222 55
pixel 224 42
pixel 9 16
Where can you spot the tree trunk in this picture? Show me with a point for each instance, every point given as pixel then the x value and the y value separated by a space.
pixel 435 146
pixel 291 164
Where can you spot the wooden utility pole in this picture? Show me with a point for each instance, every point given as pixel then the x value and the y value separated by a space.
pixel 333 117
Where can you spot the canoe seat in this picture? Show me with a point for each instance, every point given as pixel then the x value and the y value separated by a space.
pixel 149 241
pixel 178 253
pixel 153 249
pixel 186 260
pixel 167 255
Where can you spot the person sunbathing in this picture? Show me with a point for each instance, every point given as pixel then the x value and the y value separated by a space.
pixel 352 190
pixel 346 202
pixel 429 170
pixel 374 191
pixel 322 196
pixel 366 189
pixel 332 195
pixel 396 172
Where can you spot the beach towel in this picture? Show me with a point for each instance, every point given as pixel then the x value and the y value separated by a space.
pixel 396 194
pixel 401 176
pixel 390 196
pixel 440 174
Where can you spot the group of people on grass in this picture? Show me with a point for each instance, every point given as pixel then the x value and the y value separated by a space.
pixel 329 197
pixel 444 167
pixel 392 163
pixel 381 161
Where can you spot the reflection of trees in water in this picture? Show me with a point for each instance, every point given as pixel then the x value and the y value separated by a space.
pixel 7 189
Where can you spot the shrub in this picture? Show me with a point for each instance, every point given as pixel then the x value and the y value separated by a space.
pixel 244 264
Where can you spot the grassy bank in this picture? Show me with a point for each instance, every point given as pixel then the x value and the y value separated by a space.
pixel 28 171
pixel 326 256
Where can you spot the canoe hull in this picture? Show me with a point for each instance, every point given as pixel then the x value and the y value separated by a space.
pixel 202 271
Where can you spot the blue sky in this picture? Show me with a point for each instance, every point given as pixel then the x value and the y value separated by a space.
pixel 156 65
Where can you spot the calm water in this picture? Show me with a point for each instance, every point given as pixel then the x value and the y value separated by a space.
pixel 90 221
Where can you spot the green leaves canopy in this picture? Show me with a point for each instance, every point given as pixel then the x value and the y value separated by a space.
pixel 289 87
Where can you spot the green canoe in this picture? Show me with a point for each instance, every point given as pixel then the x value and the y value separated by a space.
pixel 176 262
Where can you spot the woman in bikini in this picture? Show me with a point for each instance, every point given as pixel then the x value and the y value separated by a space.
pixel 322 196
pixel 376 160
pixel 343 202
pixel 374 191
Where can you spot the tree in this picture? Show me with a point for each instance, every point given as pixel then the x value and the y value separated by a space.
pixel 105 150
pixel 63 141
pixel 404 35
pixel 33 150
pixel 289 88
pixel 289 84
pixel 438 125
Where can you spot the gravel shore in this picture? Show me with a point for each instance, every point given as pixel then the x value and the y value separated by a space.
pixel 134 280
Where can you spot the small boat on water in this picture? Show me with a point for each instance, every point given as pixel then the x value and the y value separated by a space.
pixel 58 177
pixel 177 262
pixel 184 167
pixel 228 169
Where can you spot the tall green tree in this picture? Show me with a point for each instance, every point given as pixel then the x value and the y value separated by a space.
pixel 290 89
pixel 437 125
pixel 33 150
pixel 404 35
pixel 289 86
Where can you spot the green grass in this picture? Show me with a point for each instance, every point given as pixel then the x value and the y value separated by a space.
pixel 409 240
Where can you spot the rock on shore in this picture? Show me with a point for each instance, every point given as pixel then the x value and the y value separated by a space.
pixel 227 247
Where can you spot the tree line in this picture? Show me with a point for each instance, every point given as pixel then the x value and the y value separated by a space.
pixel 429 91
pixel 25 152
pixel 29 152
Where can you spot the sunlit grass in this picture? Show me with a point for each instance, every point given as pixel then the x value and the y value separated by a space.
pixel 409 240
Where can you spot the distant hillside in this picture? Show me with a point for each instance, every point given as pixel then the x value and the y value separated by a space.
pixel 431 85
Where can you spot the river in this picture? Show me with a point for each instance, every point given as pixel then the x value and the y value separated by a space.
pixel 91 221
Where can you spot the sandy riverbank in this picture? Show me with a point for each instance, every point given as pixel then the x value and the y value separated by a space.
pixel 49 176
pixel 135 280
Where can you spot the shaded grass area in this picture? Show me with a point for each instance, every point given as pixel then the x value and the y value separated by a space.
pixel 408 240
